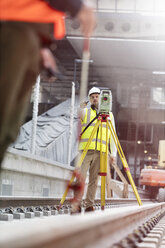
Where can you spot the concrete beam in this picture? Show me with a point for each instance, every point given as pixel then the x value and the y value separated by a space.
pixel 123 25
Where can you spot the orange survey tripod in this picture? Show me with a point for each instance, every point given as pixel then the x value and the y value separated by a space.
pixel 104 118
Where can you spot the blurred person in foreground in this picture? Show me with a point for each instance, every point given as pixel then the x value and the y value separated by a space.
pixel 24 40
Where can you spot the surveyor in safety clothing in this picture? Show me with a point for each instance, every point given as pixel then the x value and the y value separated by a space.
pixel 92 159
pixel 26 28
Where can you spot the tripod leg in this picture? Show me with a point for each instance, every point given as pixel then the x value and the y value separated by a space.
pixel 103 180
pixel 80 162
pixel 102 171
pixel 124 161
pixel 103 166
pixel 87 145
pixel 66 191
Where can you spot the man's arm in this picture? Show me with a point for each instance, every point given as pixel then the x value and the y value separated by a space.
pixel 82 110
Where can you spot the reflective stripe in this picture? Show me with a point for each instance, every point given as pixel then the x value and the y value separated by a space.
pixel 94 140
pixel 103 125
pixel 84 125
pixel 88 116
pixel 103 141
pixel 93 124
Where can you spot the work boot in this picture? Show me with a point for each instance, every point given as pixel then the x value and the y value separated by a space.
pixel 90 209
pixel 76 211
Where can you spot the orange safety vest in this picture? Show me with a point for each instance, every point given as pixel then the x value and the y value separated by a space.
pixel 33 11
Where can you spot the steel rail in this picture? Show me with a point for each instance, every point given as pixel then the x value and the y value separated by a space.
pixel 17 201
pixel 97 229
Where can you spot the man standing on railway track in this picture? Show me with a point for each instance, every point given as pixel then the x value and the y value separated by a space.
pixel 92 158
pixel 24 34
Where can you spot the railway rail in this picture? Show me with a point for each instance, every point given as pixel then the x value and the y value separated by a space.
pixel 15 207
pixel 122 224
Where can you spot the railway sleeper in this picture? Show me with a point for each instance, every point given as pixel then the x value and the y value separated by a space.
pixel 149 235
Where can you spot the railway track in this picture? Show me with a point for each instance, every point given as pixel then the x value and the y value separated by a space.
pixel 28 207
pixel 122 224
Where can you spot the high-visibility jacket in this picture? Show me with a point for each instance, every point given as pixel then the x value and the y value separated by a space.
pixel 33 11
pixel 90 114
